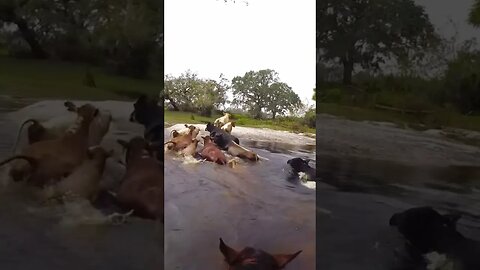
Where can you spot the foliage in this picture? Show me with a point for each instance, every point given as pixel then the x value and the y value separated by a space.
pixel 188 92
pixel 122 35
pixel 474 14
pixel 261 91
pixel 462 81
pixel 370 32
pixel 310 118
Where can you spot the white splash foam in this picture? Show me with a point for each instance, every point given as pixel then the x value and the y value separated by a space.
pixel 304 180
pixel 437 261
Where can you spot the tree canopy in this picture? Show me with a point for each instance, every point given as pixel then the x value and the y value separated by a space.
pixel 371 32
pixel 123 35
pixel 474 14
pixel 188 92
pixel 261 91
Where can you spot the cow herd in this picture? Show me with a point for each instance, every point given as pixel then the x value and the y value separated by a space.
pixel 65 159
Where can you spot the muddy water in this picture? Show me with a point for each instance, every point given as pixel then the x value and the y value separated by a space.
pixel 248 205
pixel 34 236
pixel 359 195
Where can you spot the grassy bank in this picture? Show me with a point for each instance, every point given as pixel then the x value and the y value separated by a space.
pixel 52 79
pixel 287 124
pixel 437 119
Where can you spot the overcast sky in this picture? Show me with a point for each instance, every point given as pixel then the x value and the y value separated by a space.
pixel 211 37
pixel 440 11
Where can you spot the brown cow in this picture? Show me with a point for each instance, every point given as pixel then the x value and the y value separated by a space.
pixel 142 185
pixel 251 258
pixel 57 158
pixel 211 152
pixel 85 179
pixel 179 142
pixel 56 127
pixel 191 149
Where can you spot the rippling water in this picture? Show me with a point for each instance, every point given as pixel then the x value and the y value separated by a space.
pixel 251 204
pixel 360 196
pixel 34 236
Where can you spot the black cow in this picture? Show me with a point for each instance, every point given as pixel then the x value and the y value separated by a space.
pixel 428 231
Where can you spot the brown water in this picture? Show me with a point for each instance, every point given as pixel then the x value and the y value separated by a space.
pixel 250 205
pixel 34 236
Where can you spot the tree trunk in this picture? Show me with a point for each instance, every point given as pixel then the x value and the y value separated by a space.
pixel 347 72
pixel 273 115
pixel 30 38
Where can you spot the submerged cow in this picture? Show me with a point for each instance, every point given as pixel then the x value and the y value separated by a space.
pixel 53 159
pixel 218 132
pixel 180 142
pixel 56 127
pixel 211 152
pixel 149 113
pixel 428 231
pixel 254 259
pixel 85 179
pixel 300 165
pixel 142 185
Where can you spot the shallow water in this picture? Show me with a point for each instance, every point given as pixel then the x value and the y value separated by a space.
pixel 251 204
pixel 35 236
pixel 358 196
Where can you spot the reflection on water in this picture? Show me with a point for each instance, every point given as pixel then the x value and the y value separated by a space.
pixel 250 205
pixel 75 236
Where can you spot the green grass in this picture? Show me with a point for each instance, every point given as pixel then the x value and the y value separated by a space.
pixel 438 119
pixel 53 79
pixel 288 124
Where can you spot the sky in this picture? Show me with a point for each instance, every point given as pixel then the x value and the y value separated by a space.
pixel 440 11
pixel 210 37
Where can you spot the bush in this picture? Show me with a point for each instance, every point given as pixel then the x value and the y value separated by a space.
pixel 333 95
pixel 310 118
pixel 462 81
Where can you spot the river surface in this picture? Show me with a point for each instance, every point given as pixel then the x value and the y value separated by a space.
pixel 75 236
pixel 251 204
pixel 358 195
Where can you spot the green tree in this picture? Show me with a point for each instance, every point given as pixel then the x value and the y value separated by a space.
pixel 11 12
pixel 370 32
pixel 281 99
pixel 259 91
pixel 188 92
pixel 474 14
pixel 314 94
pixel 462 81
pixel 125 36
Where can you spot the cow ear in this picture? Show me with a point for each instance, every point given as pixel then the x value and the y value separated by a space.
pixel 229 253
pixel 283 259
pixel 122 143
pixel 70 106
